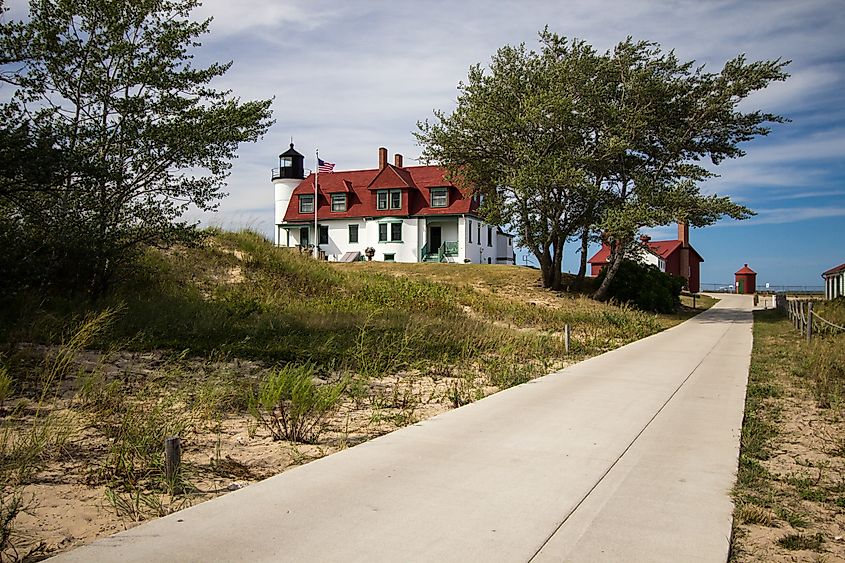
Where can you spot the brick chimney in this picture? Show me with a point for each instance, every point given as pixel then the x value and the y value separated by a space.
pixel 683 236
pixel 683 233
pixel 397 160
pixel 382 158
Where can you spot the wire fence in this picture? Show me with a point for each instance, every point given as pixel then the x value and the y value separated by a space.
pixel 791 289
pixel 805 319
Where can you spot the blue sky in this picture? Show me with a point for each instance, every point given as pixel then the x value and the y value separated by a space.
pixel 348 77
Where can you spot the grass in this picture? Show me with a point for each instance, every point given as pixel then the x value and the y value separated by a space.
pixel 236 325
pixel 800 541
pixel 291 309
pixel 789 473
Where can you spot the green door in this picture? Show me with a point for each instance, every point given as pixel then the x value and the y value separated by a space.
pixel 741 286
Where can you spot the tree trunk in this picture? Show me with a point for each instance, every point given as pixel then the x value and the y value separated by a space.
pixel 615 260
pixel 557 275
pixel 582 269
pixel 546 266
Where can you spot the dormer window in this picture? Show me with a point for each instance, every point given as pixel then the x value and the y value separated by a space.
pixel 439 197
pixel 338 203
pixel 388 199
pixel 306 203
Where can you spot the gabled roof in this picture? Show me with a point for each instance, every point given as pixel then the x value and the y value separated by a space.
pixel 662 248
pixel 391 177
pixel 360 185
pixel 836 270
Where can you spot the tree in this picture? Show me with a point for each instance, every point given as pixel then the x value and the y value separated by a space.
pixel 139 133
pixel 660 118
pixel 516 137
pixel 567 142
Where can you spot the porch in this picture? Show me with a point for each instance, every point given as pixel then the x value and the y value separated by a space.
pixel 440 237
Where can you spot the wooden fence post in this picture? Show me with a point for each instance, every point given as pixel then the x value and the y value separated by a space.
pixel 809 321
pixel 566 337
pixel 172 458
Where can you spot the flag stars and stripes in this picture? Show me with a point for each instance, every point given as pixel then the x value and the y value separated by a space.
pixel 323 166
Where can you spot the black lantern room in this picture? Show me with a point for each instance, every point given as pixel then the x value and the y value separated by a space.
pixel 291 165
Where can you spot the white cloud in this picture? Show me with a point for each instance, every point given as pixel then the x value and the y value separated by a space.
pixel 784 215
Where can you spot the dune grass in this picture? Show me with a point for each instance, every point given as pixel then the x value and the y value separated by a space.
pixel 238 329
pixel 792 457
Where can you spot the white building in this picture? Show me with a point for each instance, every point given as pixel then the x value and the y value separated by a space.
pixel 404 213
pixel 834 282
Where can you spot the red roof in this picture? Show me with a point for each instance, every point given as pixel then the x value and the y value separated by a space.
pixel 836 270
pixel 662 248
pixel 745 270
pixel 361 186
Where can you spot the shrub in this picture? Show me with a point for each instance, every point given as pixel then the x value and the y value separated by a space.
pixel 645 286
pixel 292 407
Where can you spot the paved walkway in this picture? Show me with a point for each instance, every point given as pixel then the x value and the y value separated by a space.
pixel 629 456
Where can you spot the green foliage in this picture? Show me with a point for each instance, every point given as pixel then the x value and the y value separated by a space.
pixel 812 542
pixel 293 309
pixel 292 407
pixel 565 140
pixel 110 102
pixel 645 286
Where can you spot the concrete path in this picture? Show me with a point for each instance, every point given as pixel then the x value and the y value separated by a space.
pixel 629 456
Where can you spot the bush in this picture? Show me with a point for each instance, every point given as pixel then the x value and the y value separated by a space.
pixel 645 287
pixel 292 407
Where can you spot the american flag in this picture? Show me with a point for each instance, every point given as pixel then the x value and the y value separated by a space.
pixel 323 166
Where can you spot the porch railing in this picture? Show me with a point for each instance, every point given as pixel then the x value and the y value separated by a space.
pixel 446 249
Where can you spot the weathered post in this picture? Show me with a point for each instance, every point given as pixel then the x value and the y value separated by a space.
pixel 566 337
pixel 172 458
pixel 809 321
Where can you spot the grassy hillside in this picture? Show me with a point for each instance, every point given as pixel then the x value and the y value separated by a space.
pixel 240 297
pixel 259 359
pixel 790 492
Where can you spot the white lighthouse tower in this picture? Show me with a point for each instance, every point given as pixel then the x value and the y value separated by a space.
pixel 286 177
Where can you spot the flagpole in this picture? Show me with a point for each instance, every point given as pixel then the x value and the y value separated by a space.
pixel 316 227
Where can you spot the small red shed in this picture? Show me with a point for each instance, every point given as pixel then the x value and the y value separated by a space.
pixel 746 280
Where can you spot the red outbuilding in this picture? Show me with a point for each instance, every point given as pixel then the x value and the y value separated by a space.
pixel 676 257
pixel 746 280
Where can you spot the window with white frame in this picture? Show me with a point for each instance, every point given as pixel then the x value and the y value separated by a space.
pixel 390 232
pixel 338 202
pixel 395 199
pixel 439 197
pixel 489 236
pixel 306 203
pixel 353 233
pixel 388 199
